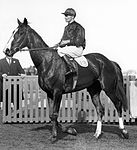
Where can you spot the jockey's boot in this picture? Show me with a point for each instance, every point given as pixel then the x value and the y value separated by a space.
pixel 72 70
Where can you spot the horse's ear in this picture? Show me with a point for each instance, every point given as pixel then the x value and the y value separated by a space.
pixel 19 22
pixel 25 21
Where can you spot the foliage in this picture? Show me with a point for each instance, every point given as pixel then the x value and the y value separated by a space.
pixel 30 70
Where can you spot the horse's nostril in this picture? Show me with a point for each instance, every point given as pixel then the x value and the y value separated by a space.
pixel 16 49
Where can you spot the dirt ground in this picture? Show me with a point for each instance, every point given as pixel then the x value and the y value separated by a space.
pixel 37 137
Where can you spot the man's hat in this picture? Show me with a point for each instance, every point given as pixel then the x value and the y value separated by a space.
pixel 7 53
pixel 70 12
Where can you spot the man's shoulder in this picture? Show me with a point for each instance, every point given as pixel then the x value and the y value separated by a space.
pixel 78 24
pixel 15 59
pixel 3 59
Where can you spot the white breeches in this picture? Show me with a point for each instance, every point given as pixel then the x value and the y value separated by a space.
pixel 73 51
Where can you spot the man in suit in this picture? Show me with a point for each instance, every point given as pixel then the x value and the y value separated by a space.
pixel 9 66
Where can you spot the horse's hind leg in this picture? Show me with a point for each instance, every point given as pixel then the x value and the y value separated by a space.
pixel 100 113
pixel 94 92
pixel 118 105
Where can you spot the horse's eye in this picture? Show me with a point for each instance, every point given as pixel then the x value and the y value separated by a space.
pixel 20 33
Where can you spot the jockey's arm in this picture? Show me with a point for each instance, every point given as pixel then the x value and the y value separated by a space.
pixel 64 42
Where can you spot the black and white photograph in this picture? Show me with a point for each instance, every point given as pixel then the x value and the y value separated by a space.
pixel 68 75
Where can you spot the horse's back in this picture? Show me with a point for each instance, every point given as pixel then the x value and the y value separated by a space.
pixel 97 57
pixel 100 61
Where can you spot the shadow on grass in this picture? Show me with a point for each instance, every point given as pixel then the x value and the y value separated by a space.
pixel 81 128
pixel 45 127
pixel 61 135
pixel 91 128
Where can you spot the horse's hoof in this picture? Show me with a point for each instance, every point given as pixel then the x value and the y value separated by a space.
pixel 71 131
pixel 124 133
pixel 98 136
pixel 53 139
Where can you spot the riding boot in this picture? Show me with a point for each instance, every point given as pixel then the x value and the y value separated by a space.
pixel 71 68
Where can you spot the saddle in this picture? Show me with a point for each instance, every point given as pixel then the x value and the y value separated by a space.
pixel 72 67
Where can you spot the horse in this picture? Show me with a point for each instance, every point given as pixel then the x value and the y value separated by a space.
pixel 100 74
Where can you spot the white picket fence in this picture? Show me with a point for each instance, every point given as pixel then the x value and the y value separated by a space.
pixel 33 105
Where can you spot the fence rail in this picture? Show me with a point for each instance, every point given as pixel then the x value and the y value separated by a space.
pixel 33 105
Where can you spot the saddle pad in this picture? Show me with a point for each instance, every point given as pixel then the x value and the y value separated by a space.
pixel 82 61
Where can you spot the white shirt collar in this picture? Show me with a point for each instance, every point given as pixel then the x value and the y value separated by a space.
pixel 9 59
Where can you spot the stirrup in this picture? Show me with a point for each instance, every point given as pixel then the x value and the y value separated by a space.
pixel 70 73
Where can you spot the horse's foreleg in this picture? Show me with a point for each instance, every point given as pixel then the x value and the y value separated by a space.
pixel 53 117
pixel 54 106
pixel 100 113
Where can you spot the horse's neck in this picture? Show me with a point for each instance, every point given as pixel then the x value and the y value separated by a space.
pixel 47 59
pixel 41 57
pixel 35 42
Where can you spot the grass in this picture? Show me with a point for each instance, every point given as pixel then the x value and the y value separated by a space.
pixel 37 137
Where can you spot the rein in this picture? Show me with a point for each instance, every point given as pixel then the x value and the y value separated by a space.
pixel 38 49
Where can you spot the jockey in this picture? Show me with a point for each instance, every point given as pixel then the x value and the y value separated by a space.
pixel 73 40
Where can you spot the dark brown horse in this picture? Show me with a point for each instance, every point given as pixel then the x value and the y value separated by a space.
pixel 101 74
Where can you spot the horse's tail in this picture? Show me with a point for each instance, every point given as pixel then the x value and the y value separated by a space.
pixel 120 93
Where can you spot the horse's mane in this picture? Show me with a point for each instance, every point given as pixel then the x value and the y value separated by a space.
pixel 38 36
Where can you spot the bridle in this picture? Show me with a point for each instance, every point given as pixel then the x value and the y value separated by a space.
pixel 32 49
pixel 26 34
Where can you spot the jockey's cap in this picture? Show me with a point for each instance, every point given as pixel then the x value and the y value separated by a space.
pixel 70 11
